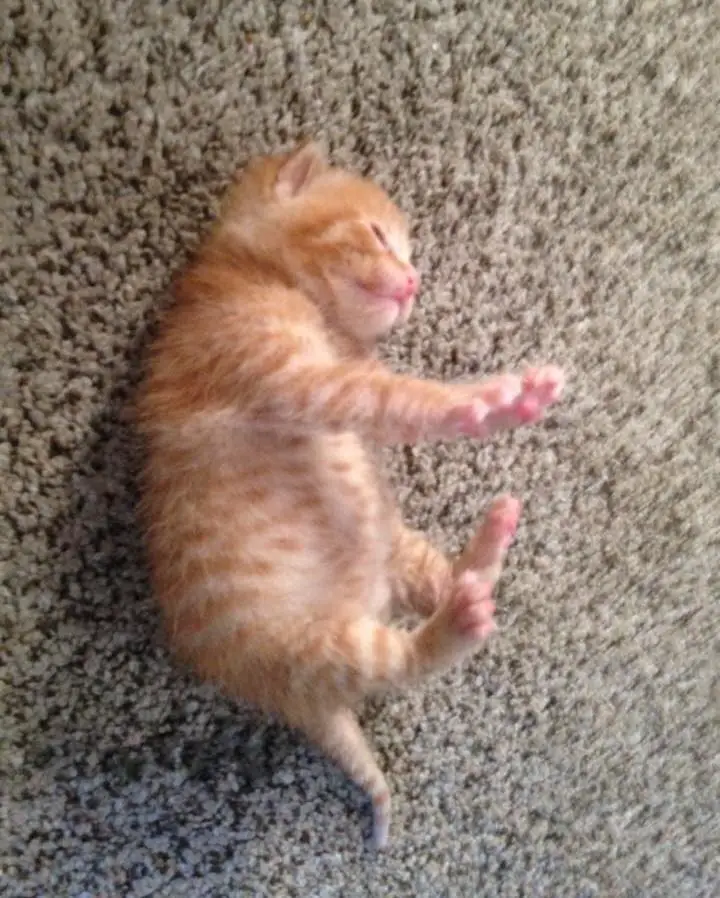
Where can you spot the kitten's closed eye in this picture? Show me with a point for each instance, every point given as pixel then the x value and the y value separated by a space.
pixel 380 235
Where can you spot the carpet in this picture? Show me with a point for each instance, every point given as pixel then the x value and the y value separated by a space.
pixel 560 162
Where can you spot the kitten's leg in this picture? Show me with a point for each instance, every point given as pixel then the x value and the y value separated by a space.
pixel 280 390
pixel 366 656
pixel 388 408
pixel 421 576
pixel 356 657
pixel 338 733
pixel 362 655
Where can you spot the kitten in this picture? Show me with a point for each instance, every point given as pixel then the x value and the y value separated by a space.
pixel 276 554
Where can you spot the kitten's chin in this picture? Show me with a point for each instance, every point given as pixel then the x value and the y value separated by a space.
pixel 404 310
pixel 394 313
pixel 384 314
pixel 369 315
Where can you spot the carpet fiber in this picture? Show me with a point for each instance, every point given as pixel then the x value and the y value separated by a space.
pixel 560 162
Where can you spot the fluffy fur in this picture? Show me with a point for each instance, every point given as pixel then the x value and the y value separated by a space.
pixel 276 553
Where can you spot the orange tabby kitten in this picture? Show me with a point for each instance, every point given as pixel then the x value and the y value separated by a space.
pixel 276 554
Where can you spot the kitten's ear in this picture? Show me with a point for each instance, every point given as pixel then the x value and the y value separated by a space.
pixel 300 169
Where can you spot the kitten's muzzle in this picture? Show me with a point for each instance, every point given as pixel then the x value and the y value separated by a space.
pixel 408 288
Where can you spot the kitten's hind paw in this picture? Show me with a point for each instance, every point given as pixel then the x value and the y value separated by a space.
pixel 470 608
pixel 485 553
pixel 501 522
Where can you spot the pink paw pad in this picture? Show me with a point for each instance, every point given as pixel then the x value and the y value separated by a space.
pixel 528 409
pixel 472 608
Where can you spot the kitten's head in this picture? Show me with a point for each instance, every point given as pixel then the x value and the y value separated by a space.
pixel 339 237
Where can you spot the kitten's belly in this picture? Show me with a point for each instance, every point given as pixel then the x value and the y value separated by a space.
pixel 292 527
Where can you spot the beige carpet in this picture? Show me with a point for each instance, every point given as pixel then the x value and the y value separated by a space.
pixel 561 162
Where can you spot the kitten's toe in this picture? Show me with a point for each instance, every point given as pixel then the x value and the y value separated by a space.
pixel 485 553
pixel 541 388
pixel 471 608
pixel 500 391
pixel 545 384
pixel 502 521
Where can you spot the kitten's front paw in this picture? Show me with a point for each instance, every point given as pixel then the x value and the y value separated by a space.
pixel 469 417
pixel 541 387
pixel 470 608
pixel 538 389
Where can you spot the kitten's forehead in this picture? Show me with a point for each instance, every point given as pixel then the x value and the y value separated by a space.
pixel 363 200
pixel 371 199
pixel 340 190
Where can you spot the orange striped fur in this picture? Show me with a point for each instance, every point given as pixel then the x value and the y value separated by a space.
pixel 276 554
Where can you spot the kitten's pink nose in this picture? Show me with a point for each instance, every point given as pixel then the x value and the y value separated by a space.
pixel 409 288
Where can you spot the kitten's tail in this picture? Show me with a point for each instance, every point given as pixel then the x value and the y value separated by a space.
pixel 337 732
